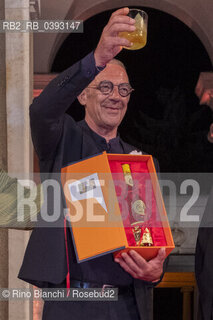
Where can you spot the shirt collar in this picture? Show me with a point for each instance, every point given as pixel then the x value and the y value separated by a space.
pixel 99 139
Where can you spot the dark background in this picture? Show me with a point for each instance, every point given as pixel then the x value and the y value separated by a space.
pixel 164 117
pixel 168 304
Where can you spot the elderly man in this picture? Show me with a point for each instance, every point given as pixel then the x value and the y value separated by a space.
pixel 102 86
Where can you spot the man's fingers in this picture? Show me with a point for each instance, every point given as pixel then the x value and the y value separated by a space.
pixel 139 260
pixel 118 41
pixel 126 267
pixel 161 256
pixel 121 11
pixel 120 27
pixel 118 19
pixel 110 44
pixel 131 263
pixel 121 19
pixel 139 268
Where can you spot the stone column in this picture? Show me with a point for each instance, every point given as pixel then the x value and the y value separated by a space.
pixel 19 76
pixel 3 165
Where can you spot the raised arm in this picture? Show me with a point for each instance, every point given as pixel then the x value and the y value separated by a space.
pixel 47 111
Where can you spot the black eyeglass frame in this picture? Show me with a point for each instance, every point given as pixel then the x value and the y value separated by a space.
pixel 112 86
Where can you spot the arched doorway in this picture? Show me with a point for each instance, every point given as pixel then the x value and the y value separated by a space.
pixel 164 116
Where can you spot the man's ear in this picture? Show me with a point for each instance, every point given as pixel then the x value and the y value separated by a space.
pixel 82 98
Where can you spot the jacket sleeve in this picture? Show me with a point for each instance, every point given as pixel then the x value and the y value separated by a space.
pixel 47 111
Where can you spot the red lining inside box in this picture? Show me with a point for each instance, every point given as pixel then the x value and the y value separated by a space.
pixel 127 194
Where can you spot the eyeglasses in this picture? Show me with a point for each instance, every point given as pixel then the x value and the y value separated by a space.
pixel 106 87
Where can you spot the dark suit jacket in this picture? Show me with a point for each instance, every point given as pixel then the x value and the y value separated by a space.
pixel 204 261
pixel 59 140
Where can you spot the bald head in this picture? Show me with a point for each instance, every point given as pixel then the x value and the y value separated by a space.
pixel 117 62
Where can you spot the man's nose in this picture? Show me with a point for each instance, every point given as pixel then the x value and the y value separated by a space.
pixel 115 93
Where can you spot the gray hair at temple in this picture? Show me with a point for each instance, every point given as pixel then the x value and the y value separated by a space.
pixel 118 63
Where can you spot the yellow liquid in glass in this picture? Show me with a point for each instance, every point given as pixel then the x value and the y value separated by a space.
pixel 137 37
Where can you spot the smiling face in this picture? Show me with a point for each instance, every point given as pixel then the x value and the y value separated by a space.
pixel 105 112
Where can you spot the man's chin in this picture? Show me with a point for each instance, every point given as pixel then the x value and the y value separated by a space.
pixel 112 124
pixel 109 126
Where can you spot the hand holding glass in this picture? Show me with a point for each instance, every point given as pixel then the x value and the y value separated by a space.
pixel 139 36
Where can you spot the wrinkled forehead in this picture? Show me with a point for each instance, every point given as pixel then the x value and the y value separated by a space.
pixel 113 73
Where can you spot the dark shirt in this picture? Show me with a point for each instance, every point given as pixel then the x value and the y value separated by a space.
pixel 113 146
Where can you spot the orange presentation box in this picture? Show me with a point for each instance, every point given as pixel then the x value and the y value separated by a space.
pixel 100 206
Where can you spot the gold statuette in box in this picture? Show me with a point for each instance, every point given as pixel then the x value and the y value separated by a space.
pixel 146 239
pixel 137 234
